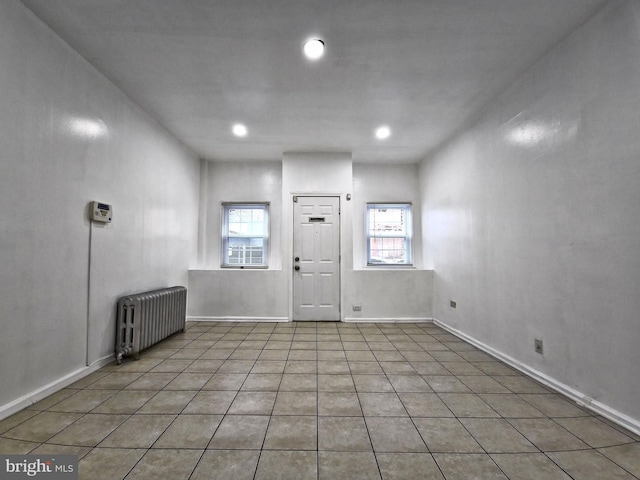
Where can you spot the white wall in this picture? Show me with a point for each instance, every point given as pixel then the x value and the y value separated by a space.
pixel 389 295
pixel 259 294
pixel 265 294
pixel 242 182
pixel 238 295
pixel 217 293
pixel 317 174
pixel 532 219
pixel 380 184
pixel 69 136
pixel 383 292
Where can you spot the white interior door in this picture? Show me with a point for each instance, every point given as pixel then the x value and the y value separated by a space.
pixel 316 254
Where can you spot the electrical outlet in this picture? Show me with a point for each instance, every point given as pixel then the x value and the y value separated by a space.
pixel 453 303
pixel 357 308
pixel 538 345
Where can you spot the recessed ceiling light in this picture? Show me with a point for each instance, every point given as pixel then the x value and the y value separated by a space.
pixel 383 132
pixel 239 130
pixel 314 48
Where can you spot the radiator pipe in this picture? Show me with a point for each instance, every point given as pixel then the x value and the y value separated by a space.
pixel 87 361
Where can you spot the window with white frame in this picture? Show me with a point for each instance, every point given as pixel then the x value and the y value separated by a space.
pixel 389 234
pixel 245 235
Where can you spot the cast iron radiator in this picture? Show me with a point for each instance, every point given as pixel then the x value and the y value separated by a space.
pixel 146 318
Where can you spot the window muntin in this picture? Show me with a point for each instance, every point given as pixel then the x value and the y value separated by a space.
pixel 245 235
pixel 389 234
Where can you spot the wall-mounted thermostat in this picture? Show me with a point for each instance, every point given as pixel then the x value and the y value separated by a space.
pixel 101 212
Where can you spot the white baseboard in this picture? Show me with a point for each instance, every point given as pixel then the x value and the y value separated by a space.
pixel 52 387
pixel 237 319
pixel 285 319
pixel 388 320
pixel 580 398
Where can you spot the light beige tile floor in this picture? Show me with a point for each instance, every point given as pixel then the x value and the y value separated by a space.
pixel 319 401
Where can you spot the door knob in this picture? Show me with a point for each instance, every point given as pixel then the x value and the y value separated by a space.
pixel 297 259
pixel 297 267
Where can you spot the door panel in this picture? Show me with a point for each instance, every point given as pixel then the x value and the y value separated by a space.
pixel 326 290
pixel 326 247
pixel 316 244
pixel 306 289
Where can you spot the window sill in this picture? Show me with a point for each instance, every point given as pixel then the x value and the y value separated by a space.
pixel 390 266
pixel 245 267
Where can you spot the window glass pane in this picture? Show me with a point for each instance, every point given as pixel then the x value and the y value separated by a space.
pixel 388 250
pixel 389 220
pixel 245 215
pixel 234 215
pixel 246 251
pixel 389 234
pixel 245 235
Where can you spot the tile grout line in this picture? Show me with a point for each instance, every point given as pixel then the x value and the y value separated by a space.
pixel 393 335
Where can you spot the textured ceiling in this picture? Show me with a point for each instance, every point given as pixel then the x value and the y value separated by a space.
pixel 423 67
